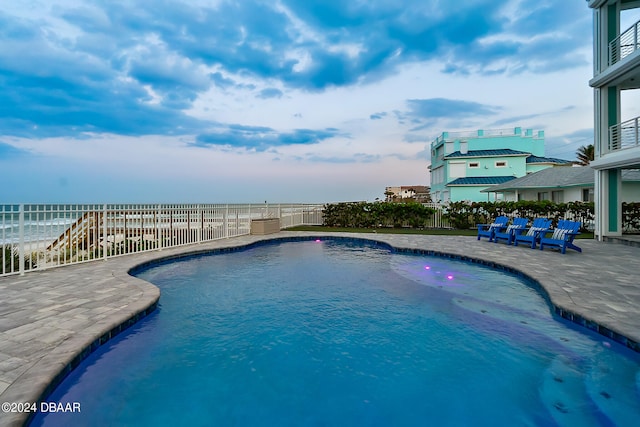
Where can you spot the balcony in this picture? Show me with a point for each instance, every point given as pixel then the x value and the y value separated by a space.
pixel 625 44
pixel 624 135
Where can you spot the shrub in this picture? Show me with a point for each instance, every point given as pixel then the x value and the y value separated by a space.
pixel 377 214
pixel 464 215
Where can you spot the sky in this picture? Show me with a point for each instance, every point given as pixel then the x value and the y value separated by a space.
pixel 285 101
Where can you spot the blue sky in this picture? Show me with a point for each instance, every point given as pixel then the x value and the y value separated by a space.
pixel 281 100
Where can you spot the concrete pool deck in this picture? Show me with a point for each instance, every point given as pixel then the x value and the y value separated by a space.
pixel 50 320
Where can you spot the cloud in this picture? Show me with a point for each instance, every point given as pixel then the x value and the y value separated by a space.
pixel 271 92
pixel 452 108
pixel 540 38
pixel 378 116
pixel 425 115
pixel 222 82
pixel 412 137
pixel 514 120
pixel 260 138
pixel 354 158
pixel 133 69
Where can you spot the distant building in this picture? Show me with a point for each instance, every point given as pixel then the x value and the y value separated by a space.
pixel 616 74
pixel 464 163
pixel 563 185
pixel 419 193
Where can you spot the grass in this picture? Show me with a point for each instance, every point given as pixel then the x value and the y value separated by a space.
pixel 429 231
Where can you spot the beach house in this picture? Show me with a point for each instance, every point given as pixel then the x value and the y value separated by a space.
pixel 615 82
pixel 464 163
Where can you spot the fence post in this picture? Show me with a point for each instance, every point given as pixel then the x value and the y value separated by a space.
pixel 105 241
pixel 21 247
pixel 225 220
pixel 201 220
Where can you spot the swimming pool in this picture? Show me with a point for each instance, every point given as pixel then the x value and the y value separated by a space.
pixel 345 332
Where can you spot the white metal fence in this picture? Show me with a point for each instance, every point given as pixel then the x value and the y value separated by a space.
pixel 38 236
pixel 437 220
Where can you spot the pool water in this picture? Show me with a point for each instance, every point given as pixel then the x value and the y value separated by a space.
pixel 332 332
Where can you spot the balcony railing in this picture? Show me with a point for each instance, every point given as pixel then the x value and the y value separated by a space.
pixel 625 44
pixel 624 135
pixel 38 236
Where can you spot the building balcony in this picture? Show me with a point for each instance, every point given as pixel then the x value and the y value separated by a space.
pixel 622 65
pixel 625 44
pixel 624 135
pixel 623 149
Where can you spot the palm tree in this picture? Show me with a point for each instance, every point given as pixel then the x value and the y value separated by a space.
pixel 585 154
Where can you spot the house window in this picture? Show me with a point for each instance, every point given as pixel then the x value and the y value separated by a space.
pixel 437 175
pixel 501 164
pixel 557 196
pixel 457 170
pixel 448 147
pixel 587 194
pixel 474 165
pixel 543 195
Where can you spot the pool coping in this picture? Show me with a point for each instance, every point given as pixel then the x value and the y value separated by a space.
pixel 36 382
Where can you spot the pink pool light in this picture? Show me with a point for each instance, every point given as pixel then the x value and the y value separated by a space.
pixel 318 240
pixel 450 276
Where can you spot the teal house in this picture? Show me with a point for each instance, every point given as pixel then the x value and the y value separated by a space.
pixel 464 163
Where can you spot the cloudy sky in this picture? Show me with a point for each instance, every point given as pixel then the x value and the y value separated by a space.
pixel 282 100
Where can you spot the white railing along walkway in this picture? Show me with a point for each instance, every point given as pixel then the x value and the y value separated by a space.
pixel 625 44
pixel 624 135
pixel 38 236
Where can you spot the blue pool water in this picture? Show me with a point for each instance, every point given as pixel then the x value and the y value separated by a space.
pixel 347 333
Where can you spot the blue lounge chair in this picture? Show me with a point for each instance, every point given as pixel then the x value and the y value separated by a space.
pixel 532 235
pixel 514 228
pixel 488 230
pixel 563 236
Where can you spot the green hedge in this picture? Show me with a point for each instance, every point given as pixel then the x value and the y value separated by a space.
pixel 463 215
pixel 376 214
pixel 631 216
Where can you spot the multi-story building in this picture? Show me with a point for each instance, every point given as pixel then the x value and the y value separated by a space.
pixel 464 163
pixel 419 193
pixel 616 74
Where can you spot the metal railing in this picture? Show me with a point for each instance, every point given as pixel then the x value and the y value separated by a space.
pixel 39 236
pixel 624 135
pixel 485 133
pixel 625 44
pixel 437 220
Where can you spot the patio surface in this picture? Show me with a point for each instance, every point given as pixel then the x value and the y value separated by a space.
pixel 50 320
